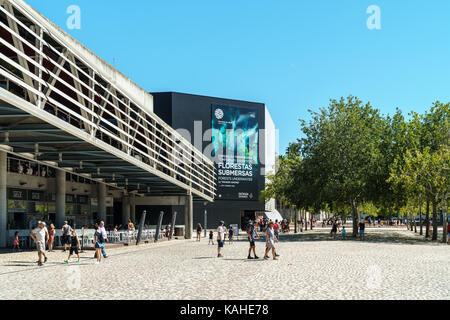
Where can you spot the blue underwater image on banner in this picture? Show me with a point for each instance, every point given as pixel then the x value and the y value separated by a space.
pixel 235 133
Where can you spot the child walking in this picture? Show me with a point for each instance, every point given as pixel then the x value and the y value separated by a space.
pixel 74 247
pixel 211 238
pixel 343 233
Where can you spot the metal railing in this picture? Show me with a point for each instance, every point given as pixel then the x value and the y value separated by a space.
pixel 53 74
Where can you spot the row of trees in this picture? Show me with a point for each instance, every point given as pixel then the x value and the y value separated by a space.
pixel 353 160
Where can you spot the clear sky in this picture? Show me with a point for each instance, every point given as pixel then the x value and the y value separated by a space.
pixel 291 55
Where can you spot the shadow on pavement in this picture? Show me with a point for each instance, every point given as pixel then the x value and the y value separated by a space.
pixel 386 237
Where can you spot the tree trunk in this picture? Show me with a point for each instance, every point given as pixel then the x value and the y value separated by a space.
pixel 427 220
pixel 415 225
pixel 355 217
pixel 407 222
pixel 295 221
pixel 444 220
pixel 420 219
pixel 435 223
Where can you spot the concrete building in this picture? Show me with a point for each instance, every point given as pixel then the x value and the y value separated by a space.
pixel 78 139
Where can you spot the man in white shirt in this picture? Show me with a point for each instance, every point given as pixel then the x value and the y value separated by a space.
pixel 221 230
pixel 40 236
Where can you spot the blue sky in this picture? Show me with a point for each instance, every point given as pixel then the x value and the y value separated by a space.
pixel 291 55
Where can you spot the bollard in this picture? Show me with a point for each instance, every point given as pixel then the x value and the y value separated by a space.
pixel 174 217
pixel 158 227
pixel 141 226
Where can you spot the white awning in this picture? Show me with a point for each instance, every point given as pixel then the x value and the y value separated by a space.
pixel 273 215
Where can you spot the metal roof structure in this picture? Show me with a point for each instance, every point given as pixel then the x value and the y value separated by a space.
pixel 62 105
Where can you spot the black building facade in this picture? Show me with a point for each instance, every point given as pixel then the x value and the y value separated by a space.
pixel 200 119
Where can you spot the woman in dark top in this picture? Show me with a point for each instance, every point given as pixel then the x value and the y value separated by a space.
pixel 199 231
pixel 334 230
pixel 99 244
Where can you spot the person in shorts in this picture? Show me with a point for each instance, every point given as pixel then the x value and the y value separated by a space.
pixel 276 228
pixel 211 238
pixel 99 241
pixel 199 231
pixel 362 226
pixel 221 230
pixel 230 235
pixel 252 233
pixel 74 247
pixel 270 242
pixel 39 236
pixel 66 231
pixel 334 228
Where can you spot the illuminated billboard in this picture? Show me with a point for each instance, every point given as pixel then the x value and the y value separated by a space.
pixel 235 152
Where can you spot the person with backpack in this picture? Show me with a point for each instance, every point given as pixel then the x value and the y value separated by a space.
pixel 99 243
pixel 252 232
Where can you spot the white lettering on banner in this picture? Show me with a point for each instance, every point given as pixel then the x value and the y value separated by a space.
pixel 235 169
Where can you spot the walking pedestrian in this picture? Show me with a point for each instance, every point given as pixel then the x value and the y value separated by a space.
pixel 252 232
pixel 333 230
pixel 130 225
pixel 276 228
pixel 74 247
pixel 221 230
pixel 16 244
pixel 199 231
pixel 66 231
pixel 343 233
pixel 211 238
pixel 448 232
pixel 101 227
pixel 361 230
pixel 270 241
pixel 51 237
pixel 39 235
pixel 99 243
pixel 230 235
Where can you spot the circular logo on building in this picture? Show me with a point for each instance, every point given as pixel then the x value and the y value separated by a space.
pixel 219 113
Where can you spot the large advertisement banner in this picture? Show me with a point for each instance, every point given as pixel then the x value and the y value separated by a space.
pixel 235 152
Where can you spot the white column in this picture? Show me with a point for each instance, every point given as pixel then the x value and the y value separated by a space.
pixel 101 202
pixel 3 200
pixel 60 198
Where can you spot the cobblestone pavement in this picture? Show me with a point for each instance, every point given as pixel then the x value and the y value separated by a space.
pixel 390 264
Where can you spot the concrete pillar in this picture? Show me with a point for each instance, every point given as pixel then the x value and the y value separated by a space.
pixel 3 200
pixel 188 217
pixel 133 209
pixel 101 202
pixel 60 198
pixel 125 210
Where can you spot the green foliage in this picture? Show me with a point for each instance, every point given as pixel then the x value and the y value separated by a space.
pixel 351 158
